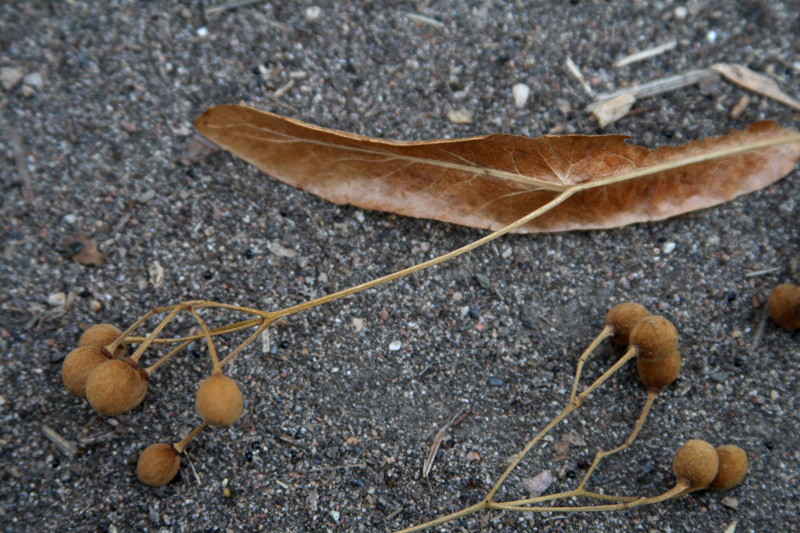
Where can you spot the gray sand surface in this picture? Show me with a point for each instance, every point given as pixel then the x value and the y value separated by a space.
pixel 337 423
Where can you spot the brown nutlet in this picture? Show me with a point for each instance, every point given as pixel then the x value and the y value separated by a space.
pixel 784 306
pixel 113 387
pixel 697 462
pixel 101 335
pixel 158 464
pixel 623 317
pixel 656 338
pixel 219 400
pixel 77 366
pixel 733 466
pixel 659 374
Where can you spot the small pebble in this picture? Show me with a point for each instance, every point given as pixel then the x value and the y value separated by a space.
pixel 483 280
pixel 395 345
pixel 711 36
pixel 680 13
pixel 33 80
pixel 668 247
pixel 495 381
pixel 460 116
pixel 313 12
pixel 146 196
pixel 719 377
pixel 70 218
pixel 521 93
pixel 202 31
pixel 335 515
pixel 56 299
pixel 10 77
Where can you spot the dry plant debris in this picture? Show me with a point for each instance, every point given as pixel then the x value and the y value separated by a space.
pixel 115 386
pixel 494 180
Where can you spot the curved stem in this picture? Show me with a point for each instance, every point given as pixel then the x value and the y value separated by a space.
pixel 180 446
pixel 651 396
pixel 427 264
pixel 574 493
pixel 574 404
pixel 229 328
pixel 447 518
pixel 152 368
pixel 607 332
pixel 256 334
pixel 142 347
pixel 123 337
pixel 215 366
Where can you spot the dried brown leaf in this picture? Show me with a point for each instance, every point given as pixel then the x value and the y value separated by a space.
pixel 493 180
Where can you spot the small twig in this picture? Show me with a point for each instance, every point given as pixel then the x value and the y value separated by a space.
pixel 22 169
pixel 645 54
pixel 760 331
pixel 231 5
pixel 659 86
pixel 757 273
pixel 65 446
pixel 437 440
pixel 339 467
pixel 425 20
pixel 573 69
pixel 293 442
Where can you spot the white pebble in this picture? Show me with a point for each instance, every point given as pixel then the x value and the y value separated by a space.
pixel 711 36
pixel 202 31
pixel 70 218
pixel 680 13
pixel 360 216
pixel 395 345
pixel 335 515
pixel 34 79
pixel 313 12
pixel 56 299
pixel 521 93
pixel 668 247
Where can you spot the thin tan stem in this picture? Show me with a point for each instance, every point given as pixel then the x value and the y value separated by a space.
pixel 679 488
pixel 607 332
pixel 229 328
pixel 152 368
pixel 215 366
pixel 142 347
pixel 427 264
pixel 123 337
pixel 180 446
pixel 447 518
pixel 574 404
pixel 199 304
pixel 574 493
pixel 632 352
pixel 257 333
pixel 651 396
pixel 583 509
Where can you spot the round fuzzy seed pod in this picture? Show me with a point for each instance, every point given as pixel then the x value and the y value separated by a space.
pixel 113 387
pixel 219 400
pixel 102 335
pixel 158 464
pixel 733 466
pixel 624 317
pixel 660 374
pixel 784 306
pixel 696 461
pixel 140 398
pixel 656 338
pixel 77 366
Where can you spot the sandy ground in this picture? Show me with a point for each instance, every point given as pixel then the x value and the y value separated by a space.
pixel 337 424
